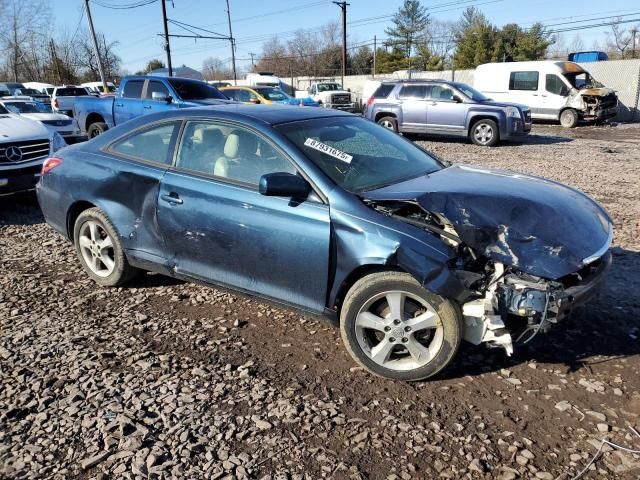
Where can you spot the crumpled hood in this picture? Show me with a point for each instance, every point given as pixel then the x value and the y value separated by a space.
pixel 15 128
pixel 538 226
pixel 597 91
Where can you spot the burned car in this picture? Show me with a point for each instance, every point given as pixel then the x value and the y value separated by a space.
pixel 331 214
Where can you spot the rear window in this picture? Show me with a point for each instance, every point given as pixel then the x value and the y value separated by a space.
pixel 70 92
pixel 523 81
pixel 383 90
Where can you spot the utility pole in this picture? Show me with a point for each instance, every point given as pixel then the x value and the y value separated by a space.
pixel 633 43
pixel 54 58
pixel 375 47
pixel 233 46
pixel 167 47
pixel 252 64
pixel 343 6
pixel 95 47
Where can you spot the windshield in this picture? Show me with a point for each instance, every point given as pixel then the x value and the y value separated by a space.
pixel 357 154
pixel 326 87
pixel 471 92
pixel 581 80
pixel 22 107
pixel 274 94
pixel 195 90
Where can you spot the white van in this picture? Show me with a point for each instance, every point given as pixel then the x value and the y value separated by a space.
pixel 554 90
pixel 97 88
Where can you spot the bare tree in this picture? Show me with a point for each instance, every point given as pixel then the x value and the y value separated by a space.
pixel 215 69
pixel 440 41
pixel 619 39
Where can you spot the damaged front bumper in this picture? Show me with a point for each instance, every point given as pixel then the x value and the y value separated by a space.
pixel 515 309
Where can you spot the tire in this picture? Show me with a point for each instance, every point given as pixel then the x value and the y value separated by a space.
pixel 484 133
pixel 100 250
pixel 394 348
pixel 389 123
pixel 569 118
pixel 96 129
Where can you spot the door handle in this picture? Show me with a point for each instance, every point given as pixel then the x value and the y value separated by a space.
pixel 172 198
pixel 147 106
pixel 434 104
pixel 119 105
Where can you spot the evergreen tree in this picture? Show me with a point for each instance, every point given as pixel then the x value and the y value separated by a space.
pixel 409 23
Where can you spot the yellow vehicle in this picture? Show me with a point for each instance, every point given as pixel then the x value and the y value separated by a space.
pixel 266 95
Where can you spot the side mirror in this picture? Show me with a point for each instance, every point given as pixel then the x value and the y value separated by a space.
pixel 160 97
pixel 255 100
pixel 282 184
pixel 457 99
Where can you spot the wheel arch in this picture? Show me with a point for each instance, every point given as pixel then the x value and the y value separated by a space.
pixel 93 118
pixel 474 118
pixel 356 274
pixel 74 212
pixel 384 113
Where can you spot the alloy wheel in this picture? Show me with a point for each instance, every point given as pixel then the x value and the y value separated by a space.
pixel 483 133
pixel 387 124
pixel 96 247
pixel 399 330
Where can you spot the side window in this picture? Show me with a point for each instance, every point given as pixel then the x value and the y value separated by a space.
pixel 133 89
pixel 553 84
pixel 441 93
pixel 229 152
pixel 232 94
pixel 413 91
pixel 155 86
pixel 153 144
pixel 523 81
pixel 244 96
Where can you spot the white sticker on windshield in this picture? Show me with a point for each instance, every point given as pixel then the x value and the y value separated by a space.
pixel 328 149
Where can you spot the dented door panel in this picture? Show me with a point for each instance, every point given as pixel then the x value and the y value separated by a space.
pixel 231 235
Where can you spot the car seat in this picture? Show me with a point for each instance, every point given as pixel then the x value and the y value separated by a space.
pixel 239 161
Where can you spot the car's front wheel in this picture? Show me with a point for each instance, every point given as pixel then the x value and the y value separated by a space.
pixel 100 250
pixel 395 328
pixel 485 133
pixel 569 118
pixel 389 123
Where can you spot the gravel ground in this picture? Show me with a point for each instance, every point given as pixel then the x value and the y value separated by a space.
pixel 164 379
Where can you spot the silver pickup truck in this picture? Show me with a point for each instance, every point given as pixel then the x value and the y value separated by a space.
pixel 63 98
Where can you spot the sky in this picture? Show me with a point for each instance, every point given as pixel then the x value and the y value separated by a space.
pixel 253 22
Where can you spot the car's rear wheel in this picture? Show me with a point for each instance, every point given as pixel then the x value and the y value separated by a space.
pixel 396 329
pixel 100 250
pixel 388 123
pixel 485 133
pixel 569 118
pixel 96 129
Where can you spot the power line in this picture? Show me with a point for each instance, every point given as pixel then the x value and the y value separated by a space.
pixel 140 3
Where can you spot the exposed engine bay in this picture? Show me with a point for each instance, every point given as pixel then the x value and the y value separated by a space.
pixel 505 305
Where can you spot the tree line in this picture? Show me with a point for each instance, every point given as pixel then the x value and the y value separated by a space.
pixel 30 50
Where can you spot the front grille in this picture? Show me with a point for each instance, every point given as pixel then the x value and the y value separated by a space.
pixel 608 101
pixel 340 98
pixel 20 152
pixel 57 123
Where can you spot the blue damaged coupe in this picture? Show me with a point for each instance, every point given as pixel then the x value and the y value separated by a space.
pixel 332 214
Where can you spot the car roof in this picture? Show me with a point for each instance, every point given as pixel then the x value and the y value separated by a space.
pixel 266 114
pixel 418 80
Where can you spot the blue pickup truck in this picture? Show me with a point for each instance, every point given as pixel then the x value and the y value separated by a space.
pixel 141 95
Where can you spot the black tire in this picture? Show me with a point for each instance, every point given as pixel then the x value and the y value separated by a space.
pixel 389 123
pixel 122 272
pixel 569 118
pixel 380 283
pixel 96 129
pixel 479 133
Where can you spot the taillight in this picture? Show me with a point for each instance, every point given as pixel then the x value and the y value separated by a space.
pixel 49 164
pixel 55 103
pixel 370 100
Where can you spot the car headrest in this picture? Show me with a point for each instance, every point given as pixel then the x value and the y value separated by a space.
pixel 240 143
pixel 211 136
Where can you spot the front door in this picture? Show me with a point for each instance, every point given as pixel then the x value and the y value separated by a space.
pixel 154 106
pixel 444 114
pixel 554 96
pixel 413 98
pixel 219 228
